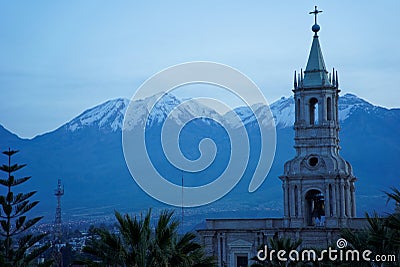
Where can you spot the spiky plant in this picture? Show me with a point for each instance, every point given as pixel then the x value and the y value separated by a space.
pixel 137 244
pixel 17 246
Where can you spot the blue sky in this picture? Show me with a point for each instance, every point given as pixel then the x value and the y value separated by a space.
pixel 60 58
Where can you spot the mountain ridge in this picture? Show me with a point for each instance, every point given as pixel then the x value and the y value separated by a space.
pixel 86 153
pixel 282 109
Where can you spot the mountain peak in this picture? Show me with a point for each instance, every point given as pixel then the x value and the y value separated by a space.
pixel 283 112
pixel 283 109
pixel 108 115
pixel 350 102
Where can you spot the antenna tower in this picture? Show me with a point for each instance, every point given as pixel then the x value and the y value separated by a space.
pixel 59 192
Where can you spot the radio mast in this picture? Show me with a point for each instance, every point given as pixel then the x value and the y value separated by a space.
pixel 59 192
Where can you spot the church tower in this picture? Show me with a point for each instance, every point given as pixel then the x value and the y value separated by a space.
pixel 318 183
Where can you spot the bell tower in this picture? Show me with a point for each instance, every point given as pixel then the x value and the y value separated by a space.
pixel 318 183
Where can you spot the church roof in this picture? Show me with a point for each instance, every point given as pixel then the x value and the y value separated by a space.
pixel 316 74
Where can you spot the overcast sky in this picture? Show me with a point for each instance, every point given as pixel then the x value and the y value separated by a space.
pixel 58 59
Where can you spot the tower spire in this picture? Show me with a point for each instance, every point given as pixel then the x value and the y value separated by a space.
pixel 316 74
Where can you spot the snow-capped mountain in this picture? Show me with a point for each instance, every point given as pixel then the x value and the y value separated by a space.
pixel 110 115
pixel 87 152
pixel 283 109
pixel 283 112
pixel 349 103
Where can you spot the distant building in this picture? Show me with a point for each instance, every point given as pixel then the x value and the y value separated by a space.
pixel 318 184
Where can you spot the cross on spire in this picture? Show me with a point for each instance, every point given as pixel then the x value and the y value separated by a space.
pixel 315 12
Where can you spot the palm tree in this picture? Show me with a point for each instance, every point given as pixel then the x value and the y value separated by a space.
pixel 137 244
pixel 187 252
pixel 164 234
pixel 135 234
pixel 376 237
pixel 393 220
pixel 107 247
pixel 382 234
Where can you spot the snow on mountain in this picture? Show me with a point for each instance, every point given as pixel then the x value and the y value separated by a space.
pixel 283 112
pixel 180 111
pixel 244 113
pixel 110 115
pixel 283 109
pixel 107 115
pixel 349 102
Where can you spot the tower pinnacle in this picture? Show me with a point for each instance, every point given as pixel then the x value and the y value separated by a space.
pixel 315 74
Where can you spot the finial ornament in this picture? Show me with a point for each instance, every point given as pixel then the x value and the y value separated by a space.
pixel 337 80
pixel 315 28
pixel 315 12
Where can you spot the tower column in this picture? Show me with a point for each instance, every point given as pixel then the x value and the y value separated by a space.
pixel 286 197
pixel 334 200
pixel 299 202
pixel 219 248
pixel 348 200
pixel 342 200
pixel 292 202
pixel 353 201
pixel 327 202
pixel 323 110
pixel 338 200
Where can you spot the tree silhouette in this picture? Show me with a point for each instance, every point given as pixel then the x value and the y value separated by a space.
pixel 381 235
pixel 17 248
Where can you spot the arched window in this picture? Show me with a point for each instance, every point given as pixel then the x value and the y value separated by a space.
pixel 329 109
pixel 315 208
pixel 313 111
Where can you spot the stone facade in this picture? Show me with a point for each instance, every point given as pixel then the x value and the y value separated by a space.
pixel 228 239
pixel 318 184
